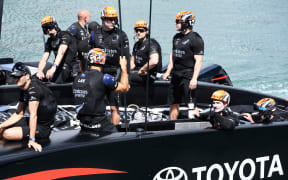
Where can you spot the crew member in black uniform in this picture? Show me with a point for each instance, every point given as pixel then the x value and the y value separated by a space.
pixel 79 29
pixel 90 89
pixel 142 53
pixel 64 47
pixel 108 38
pixel 185 61
pixel 266 112
pixel 84 47
pixel 220 115
pixel 42 108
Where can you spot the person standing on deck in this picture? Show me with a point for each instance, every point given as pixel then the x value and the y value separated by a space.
pixel 79 30
pixel 42 109
pixel 108 38
pixel 90 89
pixel 84 47
pixel 64 46
pixel 184 63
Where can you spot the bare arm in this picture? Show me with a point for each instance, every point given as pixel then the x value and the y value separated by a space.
pixel 154 59
pixel 62 49
pixel 197 68
pixel 132 62
pixel 17 116
pixel 123 85
pixel 169 68
pixel 33 106
pixel 42 65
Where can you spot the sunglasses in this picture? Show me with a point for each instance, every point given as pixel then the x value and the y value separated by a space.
pixel 47 26
pixel 177 21
pixel 140 30
pixel 111 19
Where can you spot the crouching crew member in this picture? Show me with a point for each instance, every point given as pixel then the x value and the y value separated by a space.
pixel 185 61
pixel 142 53
pixel 90 89
pixel 65 50
pixel 220 115
pixel 42 109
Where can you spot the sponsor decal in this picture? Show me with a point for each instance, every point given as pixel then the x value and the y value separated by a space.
pixel 171 173
pixel 185 42
pixel 231 170
pixel 179 53
pixel 64 173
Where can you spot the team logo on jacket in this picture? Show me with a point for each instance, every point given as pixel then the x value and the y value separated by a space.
pixel 185 42
pixel 171 173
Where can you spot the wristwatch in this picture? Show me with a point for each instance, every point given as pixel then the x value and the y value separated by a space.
pixel 55 65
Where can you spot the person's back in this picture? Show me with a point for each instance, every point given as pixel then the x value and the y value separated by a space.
pixel 90 85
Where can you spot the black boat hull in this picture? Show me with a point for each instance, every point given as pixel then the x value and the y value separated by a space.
pixel 253 152
pixel 136 95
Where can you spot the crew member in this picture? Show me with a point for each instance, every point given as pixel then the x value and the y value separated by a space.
pixel 185 61
pixel 220 115
pixel 90 89
pixel 65 50
pixel 266 112
pixel 142 53
pixel 42 108
pixel 79 29
pixel 108 38
pixel 83 46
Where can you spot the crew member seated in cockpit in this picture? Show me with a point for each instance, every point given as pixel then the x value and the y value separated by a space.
pixel 266 112
pixel 220 115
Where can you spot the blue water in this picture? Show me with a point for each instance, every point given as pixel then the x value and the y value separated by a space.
pixel 248 38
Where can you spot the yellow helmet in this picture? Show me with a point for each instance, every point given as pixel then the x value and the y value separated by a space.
pixel 109 12
pixel 185 17
pixel 141 24
pixel 266 104
pixel 48 22
pixel 96 56
pixel 221 95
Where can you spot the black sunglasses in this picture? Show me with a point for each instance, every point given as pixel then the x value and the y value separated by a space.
pixel 110 19
pixel 177 21
pixel 47 26
pixel 140 30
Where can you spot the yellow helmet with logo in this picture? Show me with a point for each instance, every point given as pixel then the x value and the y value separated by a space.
pixel 186 18
pixel 221 95
pixel 266 104
pixel 109 12
pixel 96 56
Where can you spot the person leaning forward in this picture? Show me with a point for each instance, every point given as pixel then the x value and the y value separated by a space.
pixel 65 50
pixel 42 109
pixel 108 38
pixel 185 63
pixel 90 89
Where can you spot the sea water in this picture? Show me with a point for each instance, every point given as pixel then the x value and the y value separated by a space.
pixel 249 39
